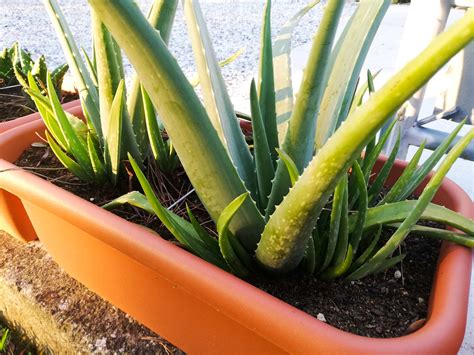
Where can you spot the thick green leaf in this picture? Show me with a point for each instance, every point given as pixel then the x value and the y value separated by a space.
pixel 226 246
pixel 382 176
pixel 216 98
pixel 161 17
pixel 397 188
pixel 398 211
pixel 182 230
pixel 282 70
pixel 299 141
pixel 266 82
pixel 84 83
pixel 442 234
pixel 380 258
pixel 337 207
pixel 347 60
pixel 286 234
pixel 70 164
pixel 369 251
pixel 263 159
pixel 113 139
pixel 290 166
pixel 356 234
pixel 76 144
pixel 429 164
pixel 201 153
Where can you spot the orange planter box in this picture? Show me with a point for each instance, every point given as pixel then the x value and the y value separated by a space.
pixel 193 304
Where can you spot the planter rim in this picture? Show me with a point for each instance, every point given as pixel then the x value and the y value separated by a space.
pixel 229 294
pixel 7 125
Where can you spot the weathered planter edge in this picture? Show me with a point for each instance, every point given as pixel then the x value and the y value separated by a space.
pixel 7 125
pixel 211 289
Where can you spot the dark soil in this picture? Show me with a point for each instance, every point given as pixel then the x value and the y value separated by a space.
pixel 14 103
pixel 379 306
pixel 384 305
pixel 40 160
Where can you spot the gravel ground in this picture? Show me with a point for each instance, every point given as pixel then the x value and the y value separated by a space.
pixel 232 25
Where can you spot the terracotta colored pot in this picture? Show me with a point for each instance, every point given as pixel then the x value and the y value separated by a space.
pixel 193 304
pixel 6 125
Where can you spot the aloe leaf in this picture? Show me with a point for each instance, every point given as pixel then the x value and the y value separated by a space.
pixel 161 17
pixel 369 251
pixel 97 164
pixel 108 72
pixel 198 146
pixel 382 176
pixel 286 234
pixel 341 268
pixel 398 211
pixel 225 244
pixel 46 111
pixel 380 258
pixel 57 75
pixel 83 81
pixel 356 234
pixel 114 133
pixel 76 145
pixel 195 81
pixel 442 234
pixel 347 60
pixel 282 70
pixel 91 67
pixel 157 145
pixel 70 164
pixel 133 198
pixel 389 262
pixel 429 164
pixel 299 140
pixel 216 98
pixel 310 257
pixel 263 159
pixel 341 253
pixel 371 157
pixel 211 242
pixel 395 191
pixel 266 82
pixel 361 91
pixel 290 166
pixel 182 230
pixel 336 212
pixel 109 68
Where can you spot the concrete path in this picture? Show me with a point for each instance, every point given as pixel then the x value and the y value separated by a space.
pixel 383 56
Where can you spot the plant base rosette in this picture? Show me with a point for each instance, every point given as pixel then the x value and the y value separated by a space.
pixel 194 304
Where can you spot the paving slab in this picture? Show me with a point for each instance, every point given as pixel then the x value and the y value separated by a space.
pixel 59 315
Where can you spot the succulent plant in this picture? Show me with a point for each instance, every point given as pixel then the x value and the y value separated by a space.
pixel 271 206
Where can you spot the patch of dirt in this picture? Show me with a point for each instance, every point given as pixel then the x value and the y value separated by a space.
pixel 383 305
pixel 378 306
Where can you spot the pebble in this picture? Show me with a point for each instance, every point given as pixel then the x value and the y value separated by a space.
pixel 321 317
pixel 397 274
pixel 420 300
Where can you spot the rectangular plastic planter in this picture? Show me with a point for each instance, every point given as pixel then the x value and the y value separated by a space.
pixel 193 304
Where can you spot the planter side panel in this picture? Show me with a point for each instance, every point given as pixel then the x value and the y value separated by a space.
pixel 142 292
pixel 14 219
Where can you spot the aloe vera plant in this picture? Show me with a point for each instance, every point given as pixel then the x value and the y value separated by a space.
pixel 271 205
pixel 115 123
pixel 16 63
